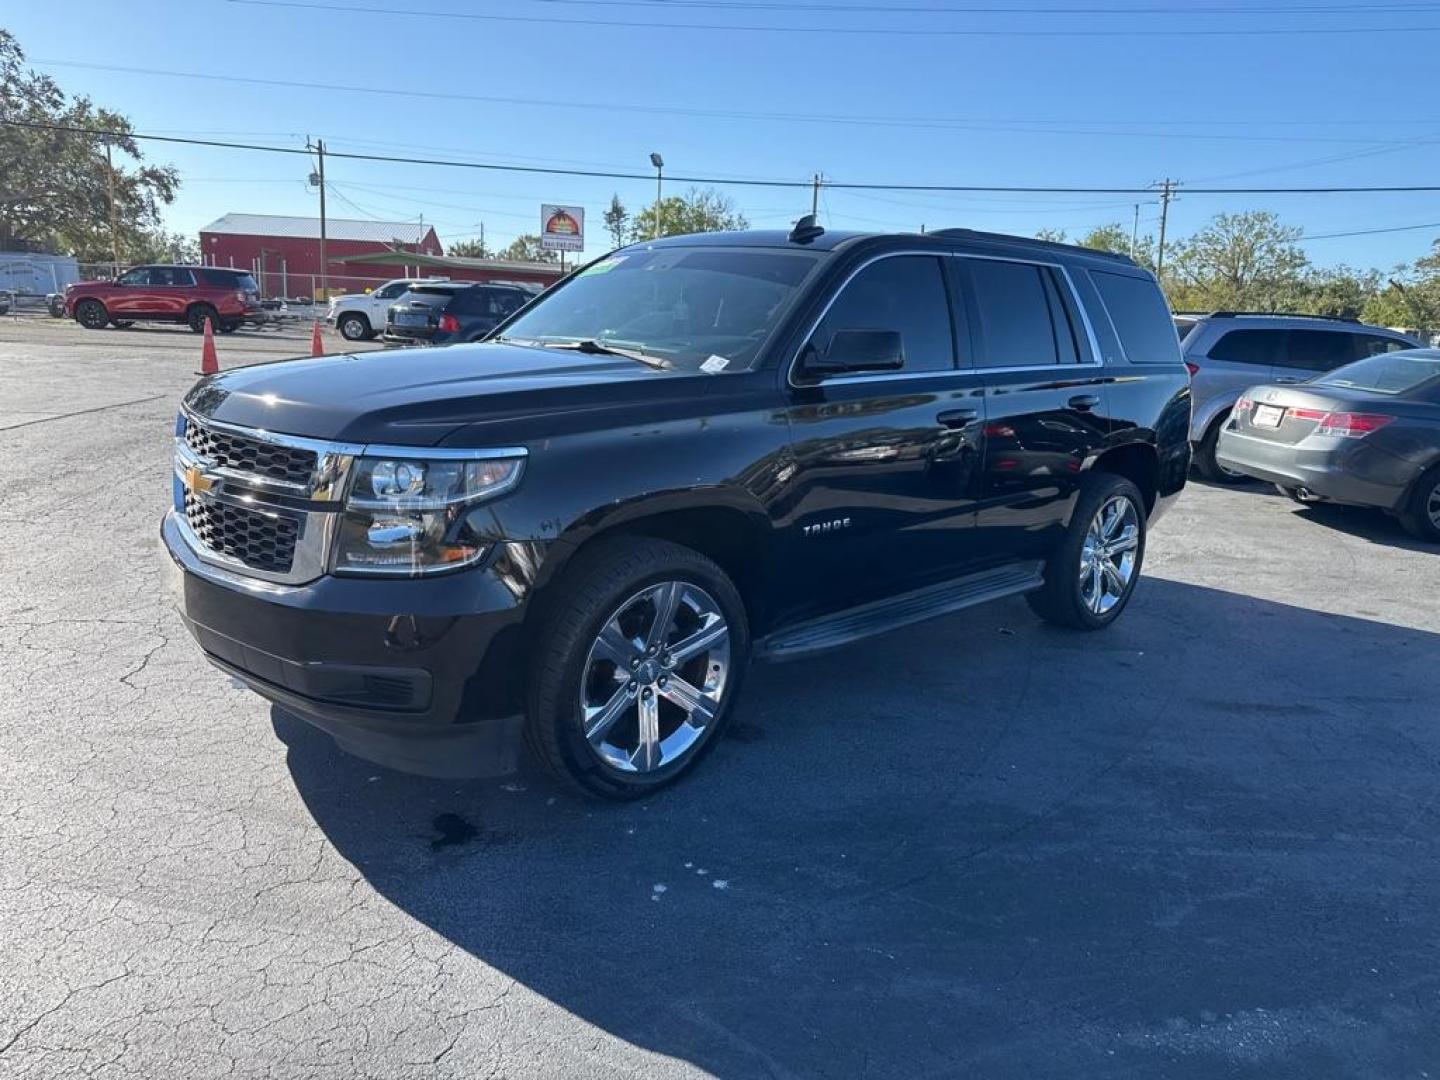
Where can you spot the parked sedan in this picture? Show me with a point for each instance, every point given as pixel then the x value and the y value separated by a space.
pixel 1366 434
pixel 453 313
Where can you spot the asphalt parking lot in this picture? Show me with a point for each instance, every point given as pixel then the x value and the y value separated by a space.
pixel 1201 844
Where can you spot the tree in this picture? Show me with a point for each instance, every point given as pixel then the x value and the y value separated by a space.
pixel 160 246
pixel 469 249
pixel 527 249
pixel 1247 262
pixel 617 221
pixel 54 184
pixel 694 212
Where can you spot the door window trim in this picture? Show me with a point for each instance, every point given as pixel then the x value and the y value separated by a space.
pixel 1062 272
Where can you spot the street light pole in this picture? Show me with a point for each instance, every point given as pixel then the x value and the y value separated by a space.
pixel 659 163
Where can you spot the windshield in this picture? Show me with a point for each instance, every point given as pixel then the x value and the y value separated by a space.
pixel 688 306
pixel 1388 373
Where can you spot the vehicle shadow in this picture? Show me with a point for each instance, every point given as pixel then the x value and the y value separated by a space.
pixel 1200 844
pixel 1375 526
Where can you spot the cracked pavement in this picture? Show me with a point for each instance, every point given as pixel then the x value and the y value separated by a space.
pixel 1200 844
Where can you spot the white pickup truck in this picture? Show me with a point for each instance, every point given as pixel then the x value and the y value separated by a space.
pixel 361 316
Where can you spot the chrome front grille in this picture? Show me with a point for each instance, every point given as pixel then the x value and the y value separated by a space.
pixel 262 504
pixel 262 540
pixel 257 457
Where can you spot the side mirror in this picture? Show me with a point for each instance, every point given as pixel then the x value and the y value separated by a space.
pixel 858 350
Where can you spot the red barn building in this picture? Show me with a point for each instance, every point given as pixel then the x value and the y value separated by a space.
pixel 284 254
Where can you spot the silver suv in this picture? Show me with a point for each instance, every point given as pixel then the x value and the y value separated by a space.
pixel 1230 351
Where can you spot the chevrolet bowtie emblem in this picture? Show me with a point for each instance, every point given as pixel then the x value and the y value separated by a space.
pixel 196 480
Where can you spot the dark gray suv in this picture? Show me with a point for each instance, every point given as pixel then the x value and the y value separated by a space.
pixel 1230 351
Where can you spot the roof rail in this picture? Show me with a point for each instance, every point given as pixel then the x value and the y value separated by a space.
pixel 1029 241
pixel 1284 315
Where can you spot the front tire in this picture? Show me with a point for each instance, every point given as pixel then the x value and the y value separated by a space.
pixel 354 327
pixel 637 667
pixel 1091 576
pixel 91 314
pixel 1421 514
pixel 1205 459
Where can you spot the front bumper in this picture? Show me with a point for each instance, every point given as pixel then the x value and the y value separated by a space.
pixel 1338 470
pixel 419 674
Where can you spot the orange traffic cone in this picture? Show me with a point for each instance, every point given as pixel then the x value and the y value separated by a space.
pixel 317 347
pixel 209 362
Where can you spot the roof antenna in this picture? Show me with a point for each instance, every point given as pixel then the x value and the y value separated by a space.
pixel 805 230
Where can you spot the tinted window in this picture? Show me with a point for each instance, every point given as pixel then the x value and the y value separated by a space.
pixel 1375 345
pixel 1316 350
pixel 493 303
pixel 1249 346
pixel 1140 316
pixel 389 292
pixel 135 277
pixel 1013 301
pixel 904 293
pixel 171 275
pixel 1067 344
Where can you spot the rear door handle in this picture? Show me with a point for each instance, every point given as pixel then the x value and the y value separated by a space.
pixel 1084 402
pixel 958 418
pixel 1287 380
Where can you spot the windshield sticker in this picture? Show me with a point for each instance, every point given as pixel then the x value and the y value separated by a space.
pixel 604 266
pixel 714 365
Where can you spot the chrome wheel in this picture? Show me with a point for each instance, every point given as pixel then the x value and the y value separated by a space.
pixel 1432 507
pixel 654 677
pixel 1107 558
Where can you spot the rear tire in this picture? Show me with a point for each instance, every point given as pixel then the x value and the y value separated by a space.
pixel 1091 576
pixel 197 315
pixel 598 655
pixel 1421 514
pixel 91 314
pixel 1205 461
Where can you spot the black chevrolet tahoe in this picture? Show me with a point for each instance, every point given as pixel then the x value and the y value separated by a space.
pixel 690 454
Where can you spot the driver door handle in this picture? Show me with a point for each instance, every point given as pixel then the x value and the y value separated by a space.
pixel 1084 402
pixel 958 418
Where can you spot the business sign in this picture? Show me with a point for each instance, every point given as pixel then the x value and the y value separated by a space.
pixel 562 228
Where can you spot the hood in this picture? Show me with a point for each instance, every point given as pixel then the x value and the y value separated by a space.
pixel 418 397
pixel 90 284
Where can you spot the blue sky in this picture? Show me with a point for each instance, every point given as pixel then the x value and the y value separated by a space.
pixel 1210 92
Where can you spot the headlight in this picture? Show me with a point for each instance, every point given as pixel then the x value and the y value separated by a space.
pixel 408 516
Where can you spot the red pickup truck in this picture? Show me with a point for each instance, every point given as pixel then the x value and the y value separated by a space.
pixel 178 294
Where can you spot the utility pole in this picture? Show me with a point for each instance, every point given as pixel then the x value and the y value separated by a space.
pixel 114 228
pixel 318 177
pixel 1135 231
pixel 815 195
pixel 1167 192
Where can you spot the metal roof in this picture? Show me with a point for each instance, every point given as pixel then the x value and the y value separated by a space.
pixel 446 262
pixel 380 232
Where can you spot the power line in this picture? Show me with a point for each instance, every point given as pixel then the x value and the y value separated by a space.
pixel 717 181
pixel 1371 232
pixel 1187 30
pixel 989 9
pixel 941 123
